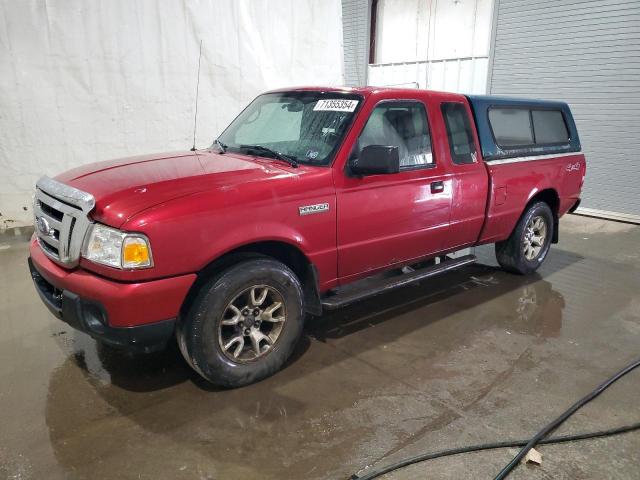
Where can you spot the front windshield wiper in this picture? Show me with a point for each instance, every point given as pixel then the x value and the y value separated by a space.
pixel 222 146
pixel 290 159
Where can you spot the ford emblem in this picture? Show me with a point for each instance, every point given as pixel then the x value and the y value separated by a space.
pixel 43 227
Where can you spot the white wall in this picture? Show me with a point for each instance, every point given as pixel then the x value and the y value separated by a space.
pixel 436 44
pixel 85 81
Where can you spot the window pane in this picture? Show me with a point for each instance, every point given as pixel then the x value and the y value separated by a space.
pixel 403 125
pixel 511 126
pixel 272 123
pixel 549 127
pixel 307 125
pixel 461 144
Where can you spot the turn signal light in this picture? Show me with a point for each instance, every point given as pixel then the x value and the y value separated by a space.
pixel 135 253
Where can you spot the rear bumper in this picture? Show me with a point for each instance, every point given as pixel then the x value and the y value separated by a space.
pixel 139 316
pixel 575 206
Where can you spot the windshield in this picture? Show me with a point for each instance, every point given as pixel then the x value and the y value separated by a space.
pixel 305 126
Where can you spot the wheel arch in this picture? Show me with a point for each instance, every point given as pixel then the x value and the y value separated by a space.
pixel 550 197
pixel 284 252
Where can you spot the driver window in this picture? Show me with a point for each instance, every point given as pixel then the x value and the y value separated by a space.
pixel 403 125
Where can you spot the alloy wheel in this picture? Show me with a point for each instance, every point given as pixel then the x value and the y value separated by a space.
pixel 535 234
pixel 251 323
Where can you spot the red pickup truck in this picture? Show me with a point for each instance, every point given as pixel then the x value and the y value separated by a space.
pixel 308 192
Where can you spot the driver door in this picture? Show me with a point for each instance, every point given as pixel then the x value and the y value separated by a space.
pixel 390 219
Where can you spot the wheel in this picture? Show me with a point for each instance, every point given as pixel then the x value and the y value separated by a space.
pixel 527 247
pixel 244 323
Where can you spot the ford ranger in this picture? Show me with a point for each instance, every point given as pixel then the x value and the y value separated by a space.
pixel 307 193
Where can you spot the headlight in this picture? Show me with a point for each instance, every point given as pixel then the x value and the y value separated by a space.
pixel 109 246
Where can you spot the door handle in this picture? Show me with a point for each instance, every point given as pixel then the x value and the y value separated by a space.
pixel 437 187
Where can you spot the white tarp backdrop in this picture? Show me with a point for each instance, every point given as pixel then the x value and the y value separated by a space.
pixel 86 81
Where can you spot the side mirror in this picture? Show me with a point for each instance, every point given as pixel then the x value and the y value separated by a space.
pixel 375 160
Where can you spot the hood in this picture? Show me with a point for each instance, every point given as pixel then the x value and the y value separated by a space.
pixel 127 186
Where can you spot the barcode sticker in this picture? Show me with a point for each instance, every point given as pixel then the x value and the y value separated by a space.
pixel 336 105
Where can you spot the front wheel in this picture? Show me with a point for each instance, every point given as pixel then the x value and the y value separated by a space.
pixel 527 247
pixel 244 323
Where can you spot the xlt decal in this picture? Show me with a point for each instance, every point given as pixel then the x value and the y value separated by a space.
pixel 309 209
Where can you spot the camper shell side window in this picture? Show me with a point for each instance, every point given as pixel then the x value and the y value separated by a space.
pixel 511 127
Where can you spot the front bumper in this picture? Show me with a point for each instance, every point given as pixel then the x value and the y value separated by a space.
pixel 136 316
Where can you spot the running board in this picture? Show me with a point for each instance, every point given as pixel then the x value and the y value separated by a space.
pixel 352 295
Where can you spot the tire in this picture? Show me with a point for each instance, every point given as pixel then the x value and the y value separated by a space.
pixel 208 336
pixel 523 252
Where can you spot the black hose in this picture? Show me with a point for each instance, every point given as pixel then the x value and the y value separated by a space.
pixel 562 418
pixel 526 444
pixel 492 446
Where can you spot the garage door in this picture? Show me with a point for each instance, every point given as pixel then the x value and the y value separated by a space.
pixel 586 53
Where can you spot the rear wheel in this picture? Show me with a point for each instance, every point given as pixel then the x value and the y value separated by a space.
pixel 527 247
pixel 244 323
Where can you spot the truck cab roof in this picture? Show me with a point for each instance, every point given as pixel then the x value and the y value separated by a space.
pixel 482 105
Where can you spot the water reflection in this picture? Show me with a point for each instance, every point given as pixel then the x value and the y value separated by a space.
pixel 527 304
pixel 105 407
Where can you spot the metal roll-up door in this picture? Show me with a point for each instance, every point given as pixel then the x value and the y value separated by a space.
pixel 355 36
pixel 586 53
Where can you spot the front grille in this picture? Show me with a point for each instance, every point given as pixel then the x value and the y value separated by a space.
pixel 52 212
pixel 61 220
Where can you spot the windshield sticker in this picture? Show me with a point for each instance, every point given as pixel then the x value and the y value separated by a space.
pixel 312 154
pixel 336 105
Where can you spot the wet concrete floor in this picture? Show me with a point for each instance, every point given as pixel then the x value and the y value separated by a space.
pixel 476 356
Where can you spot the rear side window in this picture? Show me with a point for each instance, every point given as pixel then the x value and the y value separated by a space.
pixel 549 127
pixel 461 144
pixel 511 126
pixel 520 127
